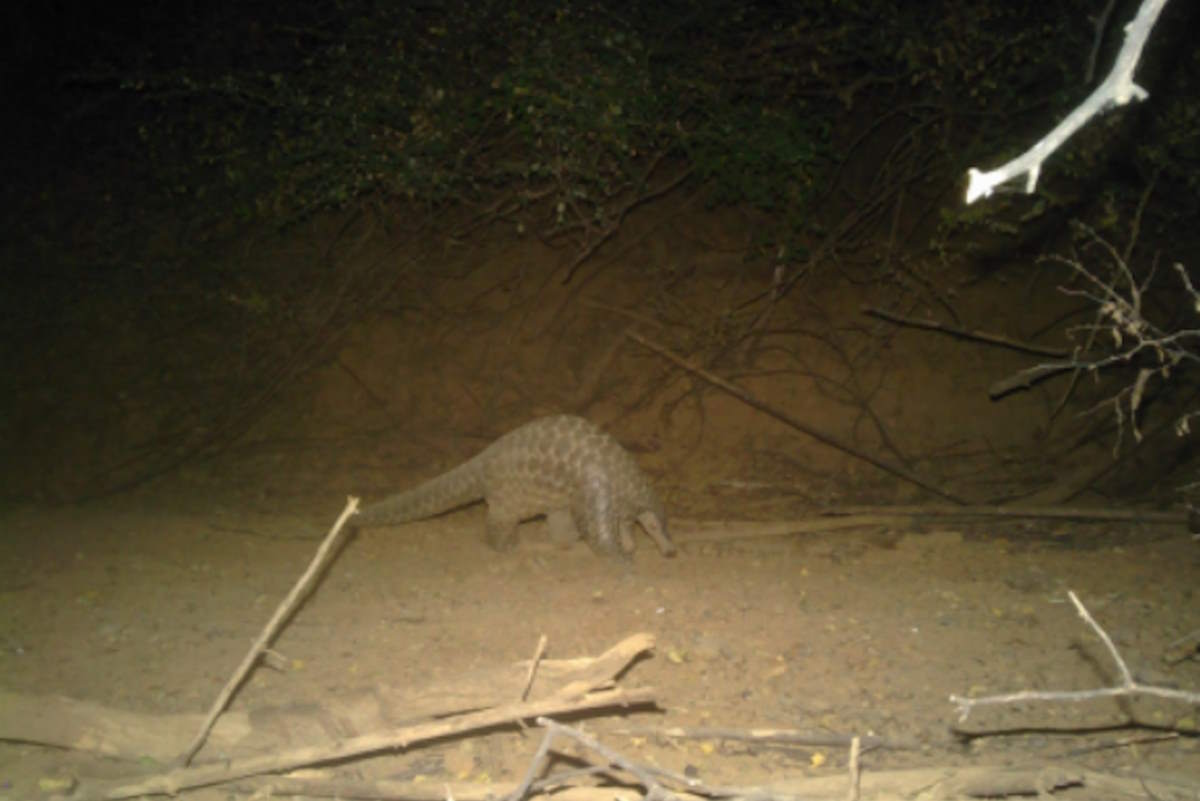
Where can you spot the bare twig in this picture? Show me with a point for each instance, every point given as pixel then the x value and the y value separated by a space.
pixel 645 776
pixel 1135 341
pixel 784 417
pixel 1100 23
pixel 774 736
pixel 1117 89
pixel 1127 687
pixel 171 782
pixel 538 653
pixel 1039 780
pixel 619 217
pixel 1144 516
pixel 1126 676
pixel 1121 742
pixel 978 336
pixel 637 317
pixel 535 767
pixel 686 532
pixel 1190 641
pixel 1028 377
pixel 852 791
pixel 62 722
pixel 299 591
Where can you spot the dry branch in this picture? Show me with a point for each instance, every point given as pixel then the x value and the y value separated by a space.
pixel 685 531
pixel 765 735
pixel 591 245
pixel 393 790
pixel 644 775
pixel 854 789
pixel 984 781
pixel 1151 353
pixel 963 333
pixel 284 611
pixel 1128 686
pixel 82 725
pixel 1047 512
pixel 1115 90
pixel 171 782
pixel 1024 379
pixel 782 416
pixel 538 653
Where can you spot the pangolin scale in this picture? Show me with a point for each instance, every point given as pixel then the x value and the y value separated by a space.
pixel 563 467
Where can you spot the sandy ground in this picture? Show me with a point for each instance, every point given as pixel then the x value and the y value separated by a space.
pixel 850 632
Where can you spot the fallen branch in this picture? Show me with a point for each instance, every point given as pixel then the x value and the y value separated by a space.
pixel 284 611
pixel 854 788
pixel 940 782
pixel 773 736
pixel 1182 648
pixel 171 782
pixel 962 333
pixel 1048 512
pixel 1024 379
pixel 685 531
pixel 1127 687
pixel 784 417
pixel 538 653
pixel 64 722
pixel 654 791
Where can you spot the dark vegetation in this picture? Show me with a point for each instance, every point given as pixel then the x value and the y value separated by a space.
pixel 147 141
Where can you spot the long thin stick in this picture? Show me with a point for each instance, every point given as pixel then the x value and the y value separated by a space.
pixel 171 782
pixel 654 790
pixel 1127 687
pixel 533 666
pixel 784 417
pixel 774 736
pixel 1148 516
pixel 852 791
pixel 686 531
pixel 962 333
pixel 299 590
